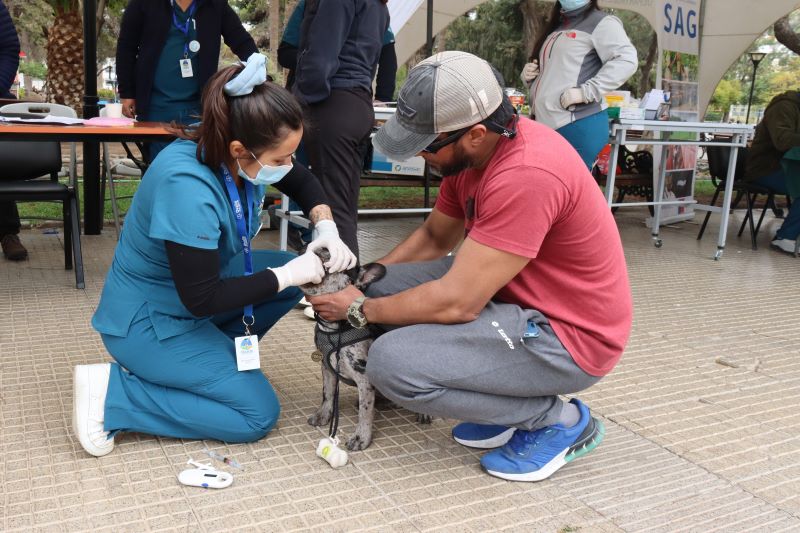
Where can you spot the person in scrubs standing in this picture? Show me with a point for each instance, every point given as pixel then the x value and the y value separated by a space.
pixel 186 299
pixel 167 51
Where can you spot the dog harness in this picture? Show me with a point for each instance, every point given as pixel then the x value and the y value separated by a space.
pixel 329 342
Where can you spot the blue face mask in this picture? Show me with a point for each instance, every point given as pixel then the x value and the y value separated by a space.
pixel 572 5
pixel 267 175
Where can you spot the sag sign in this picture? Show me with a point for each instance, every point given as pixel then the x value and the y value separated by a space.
pixel 677 23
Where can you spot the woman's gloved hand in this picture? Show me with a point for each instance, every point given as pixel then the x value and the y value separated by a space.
pixel 529 72
pixel 328 237
pixel 306 268
pixel 572 96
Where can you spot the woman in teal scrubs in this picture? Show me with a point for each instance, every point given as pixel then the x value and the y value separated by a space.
pixel 184 286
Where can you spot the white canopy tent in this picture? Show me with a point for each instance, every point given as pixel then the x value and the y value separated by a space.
pixel 727 28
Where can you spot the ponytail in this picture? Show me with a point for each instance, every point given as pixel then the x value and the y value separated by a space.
pixel 259 120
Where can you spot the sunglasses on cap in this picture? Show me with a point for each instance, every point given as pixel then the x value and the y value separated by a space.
pixel 435 146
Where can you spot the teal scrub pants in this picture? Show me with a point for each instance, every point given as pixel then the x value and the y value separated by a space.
pixel 188 386
pixel 588 136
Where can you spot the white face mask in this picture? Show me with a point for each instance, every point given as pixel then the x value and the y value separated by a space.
pixel 267 175
pixel 572 5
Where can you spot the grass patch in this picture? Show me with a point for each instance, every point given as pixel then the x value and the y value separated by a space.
pixel 38 212
pixel 371 198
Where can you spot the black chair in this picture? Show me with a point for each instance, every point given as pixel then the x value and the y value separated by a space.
pixel 718 157
pixel 21 162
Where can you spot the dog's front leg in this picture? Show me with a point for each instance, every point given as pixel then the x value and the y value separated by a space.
pixel 323 414
pixel 366 412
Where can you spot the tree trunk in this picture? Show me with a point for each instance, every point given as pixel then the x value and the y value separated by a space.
pixel 534 18
pixel 652 53
pixel 274 32
pixel 786 35
pixel 65 57
pixel 101 10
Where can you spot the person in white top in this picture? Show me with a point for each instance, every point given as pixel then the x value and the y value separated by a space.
pixel 583 54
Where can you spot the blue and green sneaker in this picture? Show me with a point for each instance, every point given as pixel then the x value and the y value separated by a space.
pixel 536 455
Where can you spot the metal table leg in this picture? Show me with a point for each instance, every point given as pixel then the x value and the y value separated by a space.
pixel 726 198
pixel 659 197
pixel 619 138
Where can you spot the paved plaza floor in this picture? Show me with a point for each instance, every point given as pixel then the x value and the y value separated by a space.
pixel 702 415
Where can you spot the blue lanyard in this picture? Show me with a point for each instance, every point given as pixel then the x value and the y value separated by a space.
pixel 183 28
pixel 242 227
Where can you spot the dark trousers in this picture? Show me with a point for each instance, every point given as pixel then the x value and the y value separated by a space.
pixel 336 142
pixel 9 218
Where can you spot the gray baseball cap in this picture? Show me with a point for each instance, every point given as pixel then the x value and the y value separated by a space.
pixel 444 93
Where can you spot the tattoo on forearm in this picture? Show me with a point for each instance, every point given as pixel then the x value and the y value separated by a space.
pixel 321 212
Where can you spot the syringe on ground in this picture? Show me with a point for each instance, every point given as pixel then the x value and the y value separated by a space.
pixel 222 458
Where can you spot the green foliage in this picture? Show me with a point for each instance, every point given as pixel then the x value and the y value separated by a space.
pixel 30 18
pixel 34 69
pixel 641 35
pixel 494 32
pixel 778 72
pixel 728 92
pixel 105 94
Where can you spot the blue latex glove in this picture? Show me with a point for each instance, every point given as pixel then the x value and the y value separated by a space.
pixel 254 73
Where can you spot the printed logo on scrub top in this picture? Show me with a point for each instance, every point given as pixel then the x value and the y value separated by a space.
pixel 246 345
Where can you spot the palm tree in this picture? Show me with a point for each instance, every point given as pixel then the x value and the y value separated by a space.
pixel 65 55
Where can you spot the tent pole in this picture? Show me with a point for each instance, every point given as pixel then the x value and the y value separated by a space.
pixel 429 31
pixel 92 201
pixel 89 59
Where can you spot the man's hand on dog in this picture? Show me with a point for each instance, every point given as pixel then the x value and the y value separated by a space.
pixel 334 306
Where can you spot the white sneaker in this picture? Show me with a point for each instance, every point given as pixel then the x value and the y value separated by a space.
pixel 89 390
pixel 304 302
pixel 786 245
pixel 309 312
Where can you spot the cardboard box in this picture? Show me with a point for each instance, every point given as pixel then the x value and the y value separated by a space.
pixel 381 164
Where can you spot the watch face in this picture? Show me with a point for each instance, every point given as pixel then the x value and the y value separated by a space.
pixel 355 315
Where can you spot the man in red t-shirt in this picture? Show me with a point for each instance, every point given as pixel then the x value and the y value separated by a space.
pixel 536 302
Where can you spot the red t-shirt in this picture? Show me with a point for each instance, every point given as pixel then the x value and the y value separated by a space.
pixel 537 199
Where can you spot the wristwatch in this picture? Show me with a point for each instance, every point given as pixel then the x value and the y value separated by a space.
pixel 355 313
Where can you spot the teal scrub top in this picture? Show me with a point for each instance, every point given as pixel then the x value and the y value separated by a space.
pixel 180 200
pixel 170 89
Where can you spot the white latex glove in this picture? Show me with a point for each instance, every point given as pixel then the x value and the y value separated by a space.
pixel 571 97
pixel 254 73
pixel 327 236
pixel 529 72
pixel 306 268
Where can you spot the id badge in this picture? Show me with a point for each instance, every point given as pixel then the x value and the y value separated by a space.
pixel 247 353
pixel 186 68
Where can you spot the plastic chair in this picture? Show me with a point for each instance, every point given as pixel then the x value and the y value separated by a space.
pixel 718 157
pixel 42 109
pixel 21 162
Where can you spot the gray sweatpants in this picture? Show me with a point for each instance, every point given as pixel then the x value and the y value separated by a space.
pixel 481 371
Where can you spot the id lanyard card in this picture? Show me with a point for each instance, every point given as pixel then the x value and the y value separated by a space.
pixel 247 357
pixel 185 63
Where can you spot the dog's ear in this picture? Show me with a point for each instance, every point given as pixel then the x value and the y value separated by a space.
pixel 369 274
